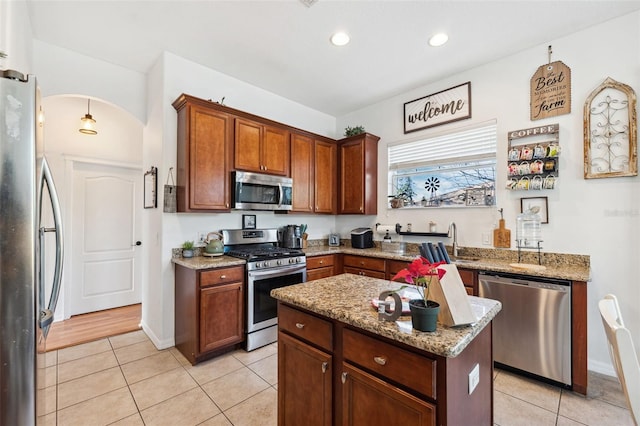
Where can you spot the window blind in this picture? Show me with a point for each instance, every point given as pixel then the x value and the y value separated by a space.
pixel 463 145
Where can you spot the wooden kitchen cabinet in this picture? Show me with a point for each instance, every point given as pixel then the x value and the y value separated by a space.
pixel 313 170
pixel 209 310
pixel 366 266
pixel 305 392
pixel 320 266
pixel 470 280
pixel 368 400
pixel 376 381
pixel 261 148
pixel 358 166
pixel 204 153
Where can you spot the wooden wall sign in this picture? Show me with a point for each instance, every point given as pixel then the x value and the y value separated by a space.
pixel 438 108
pixel 550 91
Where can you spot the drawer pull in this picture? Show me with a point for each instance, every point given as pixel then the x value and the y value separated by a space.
pixel 324 366
pixel 344 377
pixel 223 277
pixel 380 360
pixel 321 262
pixel 300 325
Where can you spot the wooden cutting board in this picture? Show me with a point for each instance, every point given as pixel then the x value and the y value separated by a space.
pixel 501 236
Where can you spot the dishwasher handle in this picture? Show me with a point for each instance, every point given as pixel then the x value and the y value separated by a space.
pixel 546 284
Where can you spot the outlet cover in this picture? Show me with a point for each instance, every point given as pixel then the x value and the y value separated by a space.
pixel 486 238
pixel 474 378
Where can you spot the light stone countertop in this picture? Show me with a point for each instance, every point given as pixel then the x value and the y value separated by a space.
pixel 347 298
pixel 201 262
pixel 560 266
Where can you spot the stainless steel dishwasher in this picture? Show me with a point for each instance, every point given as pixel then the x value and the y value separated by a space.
pixel 532 332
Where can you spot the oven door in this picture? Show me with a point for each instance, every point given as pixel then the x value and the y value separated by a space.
pixel 262 309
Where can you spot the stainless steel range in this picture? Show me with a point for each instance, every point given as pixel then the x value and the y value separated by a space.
pixel 268 267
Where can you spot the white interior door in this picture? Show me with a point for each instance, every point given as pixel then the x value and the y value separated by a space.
pixel 106 261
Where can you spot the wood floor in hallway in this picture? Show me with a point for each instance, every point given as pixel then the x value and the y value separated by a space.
pixel 94 326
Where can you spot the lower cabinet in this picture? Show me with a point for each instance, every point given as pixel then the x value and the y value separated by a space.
pixel 362 265
pixel 221 316
pixel 310 365
pixel 370 401
pixel 320 267
pixel 209 310
pixel 304 386
pixel 470 280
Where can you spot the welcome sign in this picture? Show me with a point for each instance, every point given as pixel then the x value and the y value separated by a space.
pixel 438 108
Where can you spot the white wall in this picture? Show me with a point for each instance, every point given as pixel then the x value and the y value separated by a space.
pixel 168 79
pixel 63 72
pixel 598 217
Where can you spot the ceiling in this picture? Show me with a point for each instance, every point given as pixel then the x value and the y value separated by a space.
pixel 283 46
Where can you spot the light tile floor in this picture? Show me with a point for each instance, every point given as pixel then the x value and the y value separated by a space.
pixel 124 380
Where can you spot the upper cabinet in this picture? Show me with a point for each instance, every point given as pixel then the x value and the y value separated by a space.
pixel 261 148
pixel 358 190
pixel 204 154
pixel 313 170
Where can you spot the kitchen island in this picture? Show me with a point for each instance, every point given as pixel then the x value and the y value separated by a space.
pixel 338 364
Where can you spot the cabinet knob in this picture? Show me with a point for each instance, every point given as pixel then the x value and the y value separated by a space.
pixel 223 277
pixel 321 262
pixel 300 325
pixel 380 360
pixel 324 366
pixel 344 377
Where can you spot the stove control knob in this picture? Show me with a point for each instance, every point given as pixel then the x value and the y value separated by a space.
pixel 292 260
pixel 279 262
pixel 265 264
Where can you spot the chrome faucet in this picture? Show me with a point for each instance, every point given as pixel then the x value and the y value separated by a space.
pixel 453 233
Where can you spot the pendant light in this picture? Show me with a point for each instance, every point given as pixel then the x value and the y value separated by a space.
pixel 87 123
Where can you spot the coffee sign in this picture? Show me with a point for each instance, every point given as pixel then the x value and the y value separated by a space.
pixel 551 91
pixel 438 108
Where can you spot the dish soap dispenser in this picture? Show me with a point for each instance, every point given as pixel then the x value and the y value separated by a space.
pixel 387 238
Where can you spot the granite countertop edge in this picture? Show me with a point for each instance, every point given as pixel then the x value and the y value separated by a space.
pixel 347 298
pixel 558 271
pixel 201 262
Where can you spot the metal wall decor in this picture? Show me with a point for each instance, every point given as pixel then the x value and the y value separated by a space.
pixel 610 135
pixel 151 188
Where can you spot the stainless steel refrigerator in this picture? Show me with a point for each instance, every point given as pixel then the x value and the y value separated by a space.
pixel 28 200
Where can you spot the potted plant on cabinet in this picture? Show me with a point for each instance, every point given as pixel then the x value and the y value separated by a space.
pixel 187 249
pixel 419 273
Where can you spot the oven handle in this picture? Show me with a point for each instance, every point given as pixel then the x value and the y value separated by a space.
pixel 277 272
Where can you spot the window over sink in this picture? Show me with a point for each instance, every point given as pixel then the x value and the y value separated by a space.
pixel 453 169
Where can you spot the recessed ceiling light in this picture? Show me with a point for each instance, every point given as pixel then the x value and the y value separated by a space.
pixel 438 39
pixel 340 38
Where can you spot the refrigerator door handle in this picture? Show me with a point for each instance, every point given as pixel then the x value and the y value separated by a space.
pixel 46 314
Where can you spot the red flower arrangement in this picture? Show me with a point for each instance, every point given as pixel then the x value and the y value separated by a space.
pixel 419 273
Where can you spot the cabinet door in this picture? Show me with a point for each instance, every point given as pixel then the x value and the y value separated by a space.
pixel 304 384
pixel 369 401
pixel 221 316
pixel 206 178
pixel 326 159
pixel 358 164
pixel 364 272
pixel 275 151
pixel 302 173
pixel 247 149
pixel 351 178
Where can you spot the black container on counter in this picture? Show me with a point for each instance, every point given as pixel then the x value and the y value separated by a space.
pixel 362 238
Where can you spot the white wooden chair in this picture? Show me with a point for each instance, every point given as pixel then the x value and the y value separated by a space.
pixel 622 351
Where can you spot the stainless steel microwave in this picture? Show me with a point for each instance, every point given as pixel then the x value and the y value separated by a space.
pixel 256 191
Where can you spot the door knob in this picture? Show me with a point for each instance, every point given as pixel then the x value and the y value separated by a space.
pixel 138 243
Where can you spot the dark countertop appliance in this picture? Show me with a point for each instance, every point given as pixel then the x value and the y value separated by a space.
pixel 362 238
pixel 290 236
